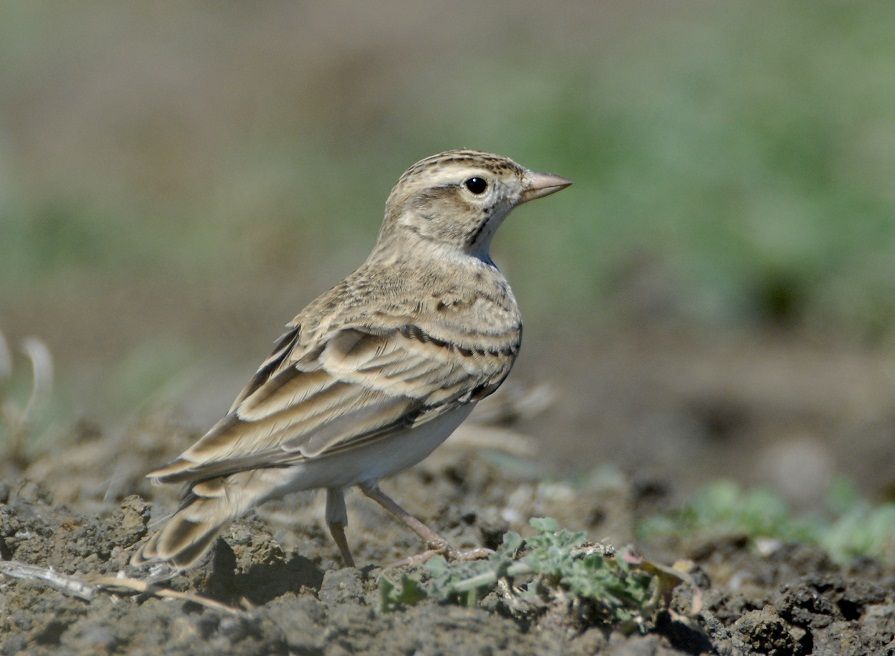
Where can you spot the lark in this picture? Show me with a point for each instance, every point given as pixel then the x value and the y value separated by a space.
pixel 375 373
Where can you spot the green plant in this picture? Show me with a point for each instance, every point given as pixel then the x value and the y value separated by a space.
pixel 851 526
pixel 859 528
pixel 552 566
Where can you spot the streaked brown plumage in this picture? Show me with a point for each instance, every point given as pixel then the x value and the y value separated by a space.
pixel 376 372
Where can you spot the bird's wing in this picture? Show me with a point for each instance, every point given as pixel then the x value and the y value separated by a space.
pixel 283 347
pixel 339 393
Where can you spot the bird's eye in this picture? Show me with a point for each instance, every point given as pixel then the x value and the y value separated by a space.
pixel 476 185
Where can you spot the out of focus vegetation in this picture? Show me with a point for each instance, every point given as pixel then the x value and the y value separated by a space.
pixel 175 177
pixel 747 148
pixel 850 528
pixel 23 398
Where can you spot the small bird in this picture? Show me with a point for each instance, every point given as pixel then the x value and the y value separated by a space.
pixel 375 373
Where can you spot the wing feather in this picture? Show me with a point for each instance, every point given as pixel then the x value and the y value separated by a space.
pixel 355 387
pixel 281 350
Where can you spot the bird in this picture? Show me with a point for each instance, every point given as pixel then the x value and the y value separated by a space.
pixel 373 374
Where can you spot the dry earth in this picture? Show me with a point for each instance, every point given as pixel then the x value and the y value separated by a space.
pixel 280 567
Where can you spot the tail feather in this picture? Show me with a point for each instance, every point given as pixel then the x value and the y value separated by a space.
pixel 187 536
pixel 189 533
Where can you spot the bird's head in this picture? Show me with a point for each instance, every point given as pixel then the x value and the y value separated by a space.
pixel 458 199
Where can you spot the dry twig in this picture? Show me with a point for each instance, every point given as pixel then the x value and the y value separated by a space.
pixel 87 588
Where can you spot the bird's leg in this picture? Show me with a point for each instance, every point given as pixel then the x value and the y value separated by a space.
pixel 435 542
pixel 337 520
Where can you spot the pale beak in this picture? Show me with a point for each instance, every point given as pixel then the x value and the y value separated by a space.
pixel 542 184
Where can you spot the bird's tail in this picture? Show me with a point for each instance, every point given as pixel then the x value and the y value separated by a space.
pixel 189 533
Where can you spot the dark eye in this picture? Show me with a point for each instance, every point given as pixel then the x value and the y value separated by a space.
pixel 476 185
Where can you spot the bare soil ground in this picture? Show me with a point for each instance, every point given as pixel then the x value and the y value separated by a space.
pixel 280 568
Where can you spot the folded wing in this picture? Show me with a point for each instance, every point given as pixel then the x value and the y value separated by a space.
pixel 354 387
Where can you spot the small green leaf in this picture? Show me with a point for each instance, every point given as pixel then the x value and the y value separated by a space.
pixel 544 524
pixel 437 566
pixel 511 543
pixel 393 597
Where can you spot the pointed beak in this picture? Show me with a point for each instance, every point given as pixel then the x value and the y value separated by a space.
pixel 542 184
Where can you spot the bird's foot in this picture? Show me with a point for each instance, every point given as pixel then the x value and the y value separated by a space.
pixel 445 550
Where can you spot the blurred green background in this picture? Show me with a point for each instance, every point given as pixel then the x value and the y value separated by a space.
pixel 178 179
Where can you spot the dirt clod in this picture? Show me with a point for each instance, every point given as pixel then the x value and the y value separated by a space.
pixel 289 594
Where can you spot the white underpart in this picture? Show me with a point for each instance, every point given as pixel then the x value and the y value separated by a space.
pixel 369 463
